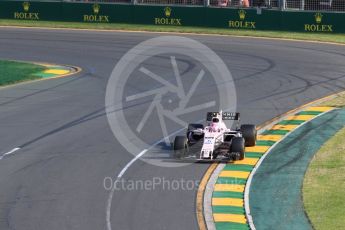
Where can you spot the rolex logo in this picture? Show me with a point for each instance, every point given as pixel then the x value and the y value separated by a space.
pixel 318 26
pixel 168 20
pixel 26 6
pixel 167 11
pixel 242 14
pixel 318 17
pixel 96 8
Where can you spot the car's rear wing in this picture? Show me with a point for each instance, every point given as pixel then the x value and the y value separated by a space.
pixel 233 116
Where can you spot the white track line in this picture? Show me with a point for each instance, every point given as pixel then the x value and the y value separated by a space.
pixel 208 213
pixel 123 171
pixel 250 178
pixel 9 153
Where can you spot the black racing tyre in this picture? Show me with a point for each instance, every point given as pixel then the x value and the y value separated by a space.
pixel 180 147
pixel 192 127
pixel 249 134
pixel 237 146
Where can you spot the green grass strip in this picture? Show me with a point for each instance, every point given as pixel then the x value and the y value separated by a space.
pixel 14 72
pixel 228 209
pixel 231 180
pixel 227 194
pixel 290 122
pixel 231 226
pixel 324 185
pixel 265 143
pixel 253 155
pixel 232 167
pixel 275 132
pixel 338 38
pixel 309 113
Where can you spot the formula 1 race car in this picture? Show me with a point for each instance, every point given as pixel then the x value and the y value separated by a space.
pixel 217 139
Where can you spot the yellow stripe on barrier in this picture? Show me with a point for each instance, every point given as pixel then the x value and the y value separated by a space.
pixel 300 117
pixel 236 218
pixel 319 108
pixel 284 127
pixel 236 174
pixel 227 202
pixel 269 137
pixel 257 149
pixel 247 161
pixel 56 71
pixel 228 188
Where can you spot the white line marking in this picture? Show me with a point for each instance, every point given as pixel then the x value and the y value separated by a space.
pixel 123 171
pixel 9 153
pixel 208 213
pixel 111 194
pixel 250 178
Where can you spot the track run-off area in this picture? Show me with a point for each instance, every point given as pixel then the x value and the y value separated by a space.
pixel 56 179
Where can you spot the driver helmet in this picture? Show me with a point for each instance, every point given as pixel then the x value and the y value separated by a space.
pixel 214 123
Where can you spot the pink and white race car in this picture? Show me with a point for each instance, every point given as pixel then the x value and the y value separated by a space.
pixel 217 139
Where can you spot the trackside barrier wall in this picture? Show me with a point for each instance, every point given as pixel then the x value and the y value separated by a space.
pixel 250 19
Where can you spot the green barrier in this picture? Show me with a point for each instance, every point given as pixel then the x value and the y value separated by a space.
pixel 47 11
pixel 243 19
pixel 248 19
pixel 313 22
pixel 98 13
pixel 166 15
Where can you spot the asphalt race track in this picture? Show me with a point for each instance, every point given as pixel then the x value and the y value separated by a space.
pixel 55 181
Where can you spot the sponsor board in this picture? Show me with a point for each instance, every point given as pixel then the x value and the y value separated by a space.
pixel 167 19
pixel 242 23
pixel 96 16
pixel 318 26
pixel 25 13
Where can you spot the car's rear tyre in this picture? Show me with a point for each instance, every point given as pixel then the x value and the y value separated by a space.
pixel 192 127
pixel 249 134
pixel 237 147
pixel 180 147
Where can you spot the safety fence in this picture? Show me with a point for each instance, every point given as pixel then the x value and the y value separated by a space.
pixel 300 5
pixel 213 17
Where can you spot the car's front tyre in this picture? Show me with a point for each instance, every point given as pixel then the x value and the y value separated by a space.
pixel 180 147
pixel 237 147
pixel 249 134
